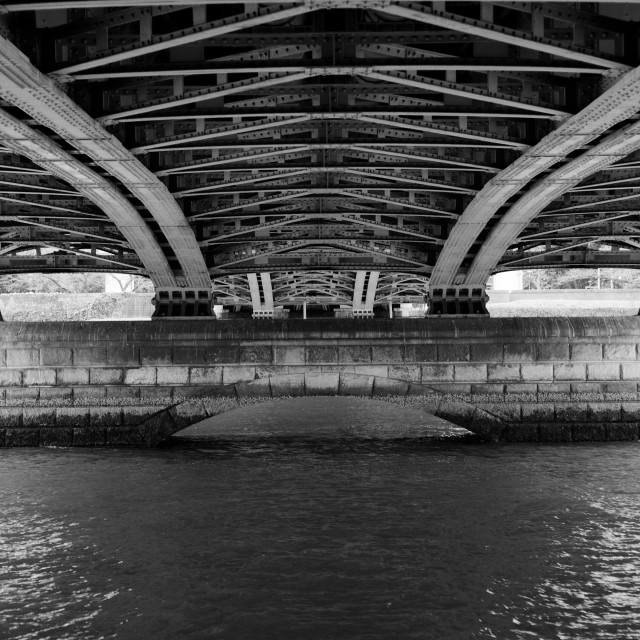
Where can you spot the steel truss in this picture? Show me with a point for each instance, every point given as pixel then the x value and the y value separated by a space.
pixel 349 152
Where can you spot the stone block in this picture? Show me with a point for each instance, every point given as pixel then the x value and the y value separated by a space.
pixel 123 394
pixel 23 358
pixel 630 371
pixel 436 373
pixel 3 357
pixel 56 437
pixel 630 411
pixel 354 385
pixel 407 373
pixel 158 395
pixel 21 395
pixel 89 356
pixel 72 417
pixel 387 354
pixel 384 387
pixel 620 351
pixel 39 377
pixel 620 388
pixel 569 371
pixel 492 388
pixel 378 370
pixel 288 385
pixel 521 388
pixel 316 354
pixel 588 432
pixel 156 354
pixel 124 355
pixel 22 437
pixel 260 388
pixel 88 393
pixel 557 388
pixel 269 371
pixel 10 417
pixel 337 368
pixel 56 356
pixel 205 375
pixel 231 375
pixel 470 373
pixel 289 355
pixel 604 411
pixel 172 375
pixel 520 352
pixel 586 351
pixel 520 433
pixel 188 413
pixel 216 406
pixel 603 371
pixel 572 411
pixel 503 372
pixel 38 417
pixel 89 437
pixel 489 352
pixel 591 388
pixel 621 431
pixel 222 355
pixel 105 416
pixel 140 375
pixel 56 395
pixel 10 377
pixel 420 353
pixel 189 355
pixel 322 384
pixel 552 351
pixel 113 375
pixel 536 372
pixel 354 353
pixel 454 353
pixel 555 432
pixel 259 353
pixel 123 437
pixel 538 412
pixel 69 376
pixel 486 426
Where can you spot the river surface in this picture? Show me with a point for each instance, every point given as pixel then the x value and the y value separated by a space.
pixel 311 519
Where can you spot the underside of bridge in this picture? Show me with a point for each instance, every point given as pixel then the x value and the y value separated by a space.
pixel 353 153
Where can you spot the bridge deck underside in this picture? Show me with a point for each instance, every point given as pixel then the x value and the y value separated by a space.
pixel 347 153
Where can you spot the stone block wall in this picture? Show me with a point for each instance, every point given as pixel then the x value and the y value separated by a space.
pixel 119 383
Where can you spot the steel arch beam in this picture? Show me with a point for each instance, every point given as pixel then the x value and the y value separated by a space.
pixel 615 105
pixel 22 85
pixel 612 149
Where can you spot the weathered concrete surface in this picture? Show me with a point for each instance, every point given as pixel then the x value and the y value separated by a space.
pixel 132 383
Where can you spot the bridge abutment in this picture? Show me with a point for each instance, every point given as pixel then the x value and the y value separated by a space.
pixel 134 383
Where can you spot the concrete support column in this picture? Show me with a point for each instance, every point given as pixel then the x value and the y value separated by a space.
pixel 183 303
pixel 261 295
pixel 457 301
pixel 364 293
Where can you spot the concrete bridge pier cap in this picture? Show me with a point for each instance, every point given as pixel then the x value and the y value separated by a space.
pixel 137 383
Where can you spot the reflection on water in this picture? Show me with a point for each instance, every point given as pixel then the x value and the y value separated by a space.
pixel 293 533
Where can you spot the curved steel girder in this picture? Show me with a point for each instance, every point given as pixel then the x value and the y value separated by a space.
pixel 34 145
pixel 24 86
pixel 613 148
pixel 615 105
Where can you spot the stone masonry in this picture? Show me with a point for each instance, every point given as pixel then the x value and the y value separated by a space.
pixel 135 383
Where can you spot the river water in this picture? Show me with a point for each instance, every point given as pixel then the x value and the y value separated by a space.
pixel 313 519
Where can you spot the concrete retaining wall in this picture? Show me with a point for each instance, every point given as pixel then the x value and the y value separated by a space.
pixel 125 383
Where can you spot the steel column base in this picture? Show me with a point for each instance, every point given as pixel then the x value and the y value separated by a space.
pixel 183 303
pixel 457 301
